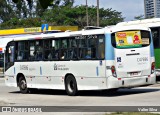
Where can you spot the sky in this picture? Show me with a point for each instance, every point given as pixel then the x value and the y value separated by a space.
pixel 129 8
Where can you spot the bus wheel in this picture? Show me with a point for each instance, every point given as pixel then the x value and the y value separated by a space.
pixel 71 85
pixel 23 85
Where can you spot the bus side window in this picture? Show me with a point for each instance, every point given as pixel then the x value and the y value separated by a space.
pixel 39 53
pixel 11 53
pixel 22 50
pixel 47 50
pixel 56 52
pixel 32 51
pixel 51 49
pixel 101 48
pixel 62 56
pixel 88 53
pixel 83 47
pixel 20 55
pixel 88 47
pixel 64 49
pixel 92 43
pixel 72 51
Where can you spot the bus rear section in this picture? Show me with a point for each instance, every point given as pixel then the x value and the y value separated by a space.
pixel 134 63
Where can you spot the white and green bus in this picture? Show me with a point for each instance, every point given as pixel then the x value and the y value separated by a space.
pixel 97 59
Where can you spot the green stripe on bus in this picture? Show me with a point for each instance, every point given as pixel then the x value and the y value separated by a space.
pixel 157 58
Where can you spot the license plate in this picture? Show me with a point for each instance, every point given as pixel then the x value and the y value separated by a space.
pixel 134 73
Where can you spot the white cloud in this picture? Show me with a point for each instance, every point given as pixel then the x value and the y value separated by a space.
pixel 129 8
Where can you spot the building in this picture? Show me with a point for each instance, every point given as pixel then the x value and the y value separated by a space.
pixel 152 8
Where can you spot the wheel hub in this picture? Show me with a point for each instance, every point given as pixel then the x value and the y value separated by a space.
pixel 23 84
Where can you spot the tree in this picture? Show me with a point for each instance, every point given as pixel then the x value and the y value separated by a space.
pixel 6 11
pixel 59 13
pixel 110 17
pixel 45 3
pixel 27 8
pixel 21 23
pixel 69 15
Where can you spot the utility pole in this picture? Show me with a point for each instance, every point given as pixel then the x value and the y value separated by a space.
pixel 87 12
pixel 97 12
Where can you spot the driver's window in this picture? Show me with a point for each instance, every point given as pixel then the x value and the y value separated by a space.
pixel 10 55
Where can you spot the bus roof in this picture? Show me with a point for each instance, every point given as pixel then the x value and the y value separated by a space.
pixel 154 22
pixel 5 39
pixel 108 29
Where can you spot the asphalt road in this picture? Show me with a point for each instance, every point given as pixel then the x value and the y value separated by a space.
pixel 143 96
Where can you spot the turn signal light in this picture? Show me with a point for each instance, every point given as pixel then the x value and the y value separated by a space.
pixel 152 67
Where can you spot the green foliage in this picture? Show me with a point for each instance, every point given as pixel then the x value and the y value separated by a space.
pixel 45 3
pixel 21 23
pixel 60 13
pixel 15 1
pixel 20 10
pixel 67 15
pixel 6 11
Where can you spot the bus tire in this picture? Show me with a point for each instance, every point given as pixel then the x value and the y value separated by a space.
pixel 23 85
pixel 71 85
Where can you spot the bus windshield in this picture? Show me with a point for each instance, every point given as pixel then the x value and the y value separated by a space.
pixel 130 39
